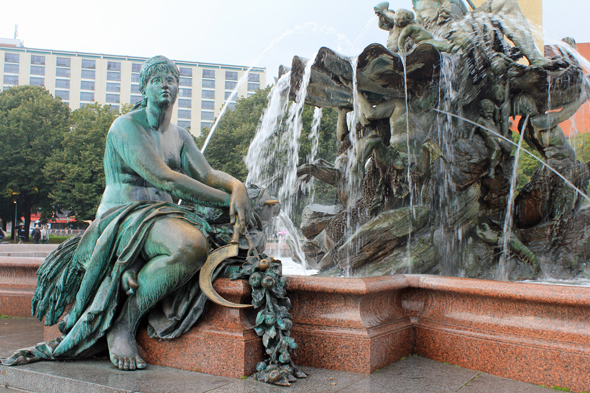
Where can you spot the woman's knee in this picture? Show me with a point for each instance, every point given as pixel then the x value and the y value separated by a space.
pixel 191 250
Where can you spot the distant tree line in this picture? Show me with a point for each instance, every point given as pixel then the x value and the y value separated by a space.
pixel 51 158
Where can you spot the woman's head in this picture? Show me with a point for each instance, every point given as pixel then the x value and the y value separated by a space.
pixel 150 68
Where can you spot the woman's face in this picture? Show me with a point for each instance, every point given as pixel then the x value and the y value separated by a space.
pixel 162 89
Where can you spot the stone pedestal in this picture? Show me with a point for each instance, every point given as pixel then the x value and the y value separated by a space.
pixel 356 325
pixel 222 343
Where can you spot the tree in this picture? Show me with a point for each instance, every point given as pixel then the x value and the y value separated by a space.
pixel 236 129
pixel 32 123
pixel 581 144
pixel 328 145
pixel 77 168
pixel 230 142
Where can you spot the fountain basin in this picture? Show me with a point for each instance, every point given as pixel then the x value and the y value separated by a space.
pixel 17 284
pixel 536 333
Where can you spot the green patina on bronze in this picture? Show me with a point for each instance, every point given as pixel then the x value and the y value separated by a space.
pixel 436 108
pixel 142 254
pixel 273 321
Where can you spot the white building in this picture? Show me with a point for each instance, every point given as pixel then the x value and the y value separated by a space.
pixel 84 78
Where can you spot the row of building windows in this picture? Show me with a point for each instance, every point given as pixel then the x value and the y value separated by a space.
pixel 116 87
pixel 87 96
pixel 116 76
pixel 116 66
pixel 182 103
pixel 115 98
pixel 187 124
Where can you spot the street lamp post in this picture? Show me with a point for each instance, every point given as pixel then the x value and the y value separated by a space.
pixel 14 225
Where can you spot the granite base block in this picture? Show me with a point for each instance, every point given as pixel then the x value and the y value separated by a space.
pixel 356 325
pixel 534 333
pixel 222 343
pixel 17 285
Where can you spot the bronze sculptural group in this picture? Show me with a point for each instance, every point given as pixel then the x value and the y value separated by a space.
pixel 435 110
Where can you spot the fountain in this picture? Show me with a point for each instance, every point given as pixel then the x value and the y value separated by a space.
pixel 432 127
pixel 426 175
pixel 430 148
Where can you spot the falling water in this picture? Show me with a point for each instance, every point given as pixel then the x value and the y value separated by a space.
pixel 354 167
pixel 409 163
pixel 275 145
pixel 314 136
pixel 569 183
pixel 444 204
pixel 292 233
pixel 502 271
pixel 263 152
pixel 290 143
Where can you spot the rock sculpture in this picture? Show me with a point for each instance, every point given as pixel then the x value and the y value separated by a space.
pixel 435 110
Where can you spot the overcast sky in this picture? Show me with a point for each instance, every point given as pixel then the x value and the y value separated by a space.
pixel 231 31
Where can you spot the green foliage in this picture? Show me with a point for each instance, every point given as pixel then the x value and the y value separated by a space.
pixel 77 168
pixel 555 387
pixel 527 165
pixel 230 141
pixel 581 145
pixel 229 144
pixel 32 123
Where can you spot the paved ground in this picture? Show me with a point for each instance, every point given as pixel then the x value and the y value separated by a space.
pixel 413 374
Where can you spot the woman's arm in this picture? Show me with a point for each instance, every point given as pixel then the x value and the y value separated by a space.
pixel 139 154
pixel 195 165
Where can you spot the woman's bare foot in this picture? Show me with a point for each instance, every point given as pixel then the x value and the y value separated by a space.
pixel 123 348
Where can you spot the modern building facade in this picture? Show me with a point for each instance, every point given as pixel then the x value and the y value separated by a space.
pixel 84 78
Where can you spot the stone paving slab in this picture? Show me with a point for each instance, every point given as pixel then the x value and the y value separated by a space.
pixel 99 376
pixel 18 333
pixel 486 383
pixel 412 374
pixel 319 381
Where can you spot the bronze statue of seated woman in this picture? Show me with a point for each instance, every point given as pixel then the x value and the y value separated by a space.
pixel 143 252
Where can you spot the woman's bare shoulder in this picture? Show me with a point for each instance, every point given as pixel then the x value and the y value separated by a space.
pixel 129 123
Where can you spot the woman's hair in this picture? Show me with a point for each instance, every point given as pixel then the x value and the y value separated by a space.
pixel 150 68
